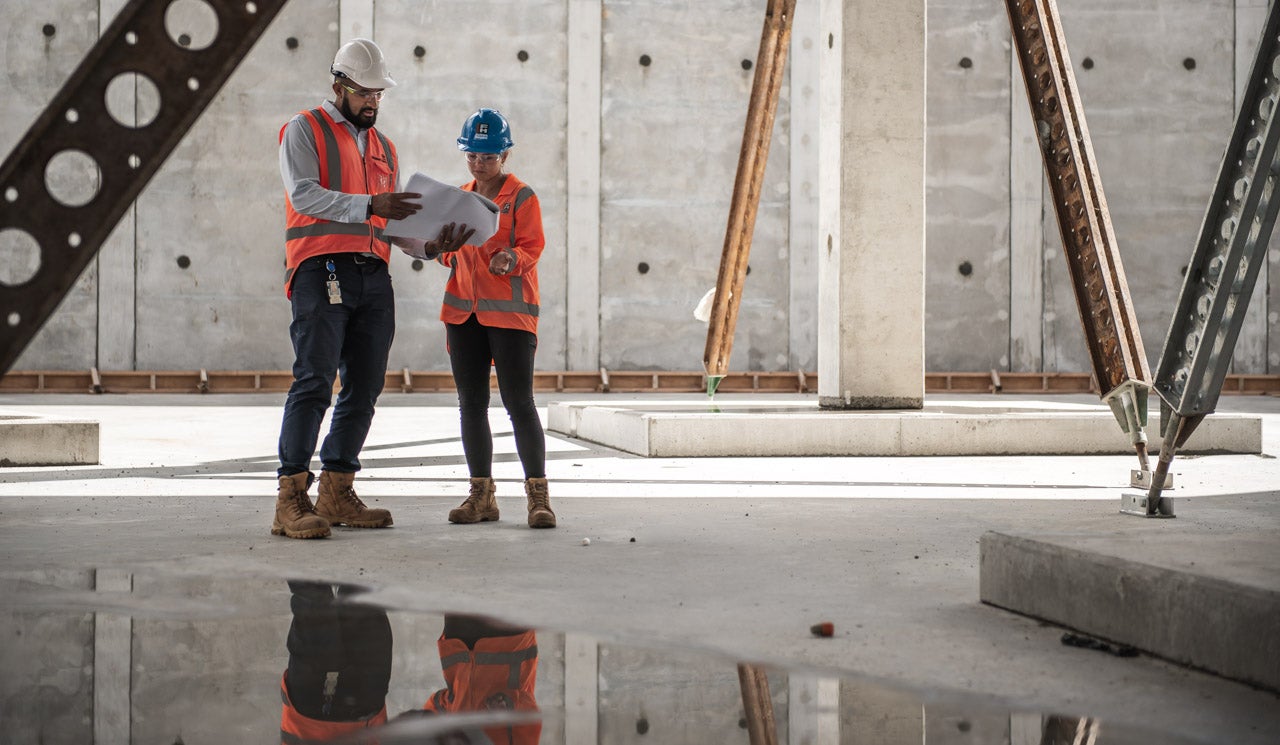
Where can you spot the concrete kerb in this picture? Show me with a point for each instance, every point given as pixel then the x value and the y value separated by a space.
pixel 27 440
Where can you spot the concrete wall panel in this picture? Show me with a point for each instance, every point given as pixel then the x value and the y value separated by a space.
pixel 1159 124
pixel 672 132
pixel 42 43
pixel 967 184
pixel 217 206
pixel 512 56
pixel 1159 96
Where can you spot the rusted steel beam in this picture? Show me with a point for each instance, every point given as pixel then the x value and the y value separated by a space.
pixel 1229 255
pixel 77 126
pixel 771 63
pixel 1084 222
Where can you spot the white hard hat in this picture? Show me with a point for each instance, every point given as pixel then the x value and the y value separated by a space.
pixel 361 62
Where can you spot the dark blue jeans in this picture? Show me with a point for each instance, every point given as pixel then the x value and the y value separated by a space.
pixel 351 338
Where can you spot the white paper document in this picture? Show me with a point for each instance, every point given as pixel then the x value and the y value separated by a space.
pixel 441 205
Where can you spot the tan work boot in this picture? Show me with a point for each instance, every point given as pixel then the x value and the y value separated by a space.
pixel 479 506
pixel 295 517
pixel 337 502
pixel 540 514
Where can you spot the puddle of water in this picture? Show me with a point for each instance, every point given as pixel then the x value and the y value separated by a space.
pixel 200 659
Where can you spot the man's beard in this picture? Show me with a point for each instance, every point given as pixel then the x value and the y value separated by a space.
pixel 351 116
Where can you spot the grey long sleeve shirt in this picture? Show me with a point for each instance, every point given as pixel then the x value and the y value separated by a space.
pixel 300 172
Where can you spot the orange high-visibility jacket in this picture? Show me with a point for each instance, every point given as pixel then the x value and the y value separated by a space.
pixel 501 672
pixel 509 301
pixel 341 169
pixel 296 729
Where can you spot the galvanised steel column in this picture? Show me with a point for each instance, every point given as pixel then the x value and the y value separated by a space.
pixel 59 237
pixel 1230 252
pixel 1097 276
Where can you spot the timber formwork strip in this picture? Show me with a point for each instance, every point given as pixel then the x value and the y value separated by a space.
pixel 1230 252
pixel 78 127
pixel 771 62
pixel 610 381
pixel 1084 221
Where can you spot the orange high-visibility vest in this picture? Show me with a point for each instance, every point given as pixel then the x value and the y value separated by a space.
pixel 509 301
pixel 501 673
pixel 296 729
pixel 341 169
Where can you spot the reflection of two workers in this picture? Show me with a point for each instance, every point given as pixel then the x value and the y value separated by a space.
pixel 340 669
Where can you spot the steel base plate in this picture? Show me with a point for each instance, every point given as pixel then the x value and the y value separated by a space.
pixel 1136 504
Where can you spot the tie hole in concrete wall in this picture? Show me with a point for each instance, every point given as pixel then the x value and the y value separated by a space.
pixel 1087 63
pixel 184 262
pixel 522 55
pixel 49 30
pixel 645 60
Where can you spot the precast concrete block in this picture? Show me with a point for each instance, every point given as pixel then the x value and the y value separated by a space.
pixel 1144 588
pixel 42 441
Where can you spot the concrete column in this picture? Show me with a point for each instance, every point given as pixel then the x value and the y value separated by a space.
pixel 871 214
pixel 582 275
pixel 1252 346
pixel 112 665
pixel 581 689
pixel 1026 231
pixel 116 260
pixel 355 20
pixel 806 28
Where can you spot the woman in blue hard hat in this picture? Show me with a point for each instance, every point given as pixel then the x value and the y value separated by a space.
pixel 490 312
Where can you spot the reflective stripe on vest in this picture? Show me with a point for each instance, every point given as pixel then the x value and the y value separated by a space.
pixel 513 661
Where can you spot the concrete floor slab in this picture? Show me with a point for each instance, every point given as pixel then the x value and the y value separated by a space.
pixel 665 428
pixel 740 555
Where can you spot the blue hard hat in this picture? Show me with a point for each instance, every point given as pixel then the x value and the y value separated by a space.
pixel 485 131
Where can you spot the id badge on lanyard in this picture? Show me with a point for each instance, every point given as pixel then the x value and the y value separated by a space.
pixel 335 292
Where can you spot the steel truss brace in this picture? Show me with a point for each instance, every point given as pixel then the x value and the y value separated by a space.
pixel 1097 276
pixel 1230 252
pixel 66 237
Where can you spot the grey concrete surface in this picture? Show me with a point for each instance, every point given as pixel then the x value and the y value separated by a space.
pixel 662 428
pixel 738 555
pixel 44 441
pixel 1159 94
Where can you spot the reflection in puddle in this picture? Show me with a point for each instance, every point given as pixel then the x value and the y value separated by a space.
pixel 111 657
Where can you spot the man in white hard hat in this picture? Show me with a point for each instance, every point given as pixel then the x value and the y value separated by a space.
pixel 340 178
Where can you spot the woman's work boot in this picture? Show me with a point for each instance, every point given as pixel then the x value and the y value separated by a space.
pixel 540 514
pixel 479 506
pixel 295 517
pixel 337 502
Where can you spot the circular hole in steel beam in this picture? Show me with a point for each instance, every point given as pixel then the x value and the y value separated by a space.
pixel 134 162
pixel 193 84
pixel 130 38
pixel 72 178
pixel 72 116
pixel 643 267
pixel 195 20
pixel 19 257
pixel 10 195
pixel 14 319
pixel 49 30
pixel 251 8
pixel 645 60
pixel 184 262
pixel 522 55
pixel 73 240
pixel 1087 63
pixel 132 99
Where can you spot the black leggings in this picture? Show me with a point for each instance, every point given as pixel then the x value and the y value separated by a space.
pixel 471 349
